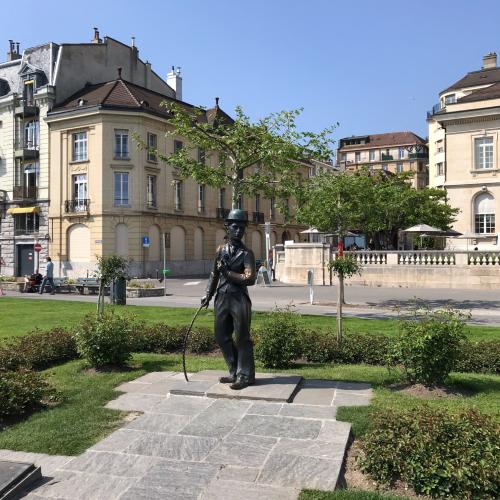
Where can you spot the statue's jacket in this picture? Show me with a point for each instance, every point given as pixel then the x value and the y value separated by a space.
pixel 241 272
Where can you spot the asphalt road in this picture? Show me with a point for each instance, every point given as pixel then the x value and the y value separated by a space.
pixel 365 302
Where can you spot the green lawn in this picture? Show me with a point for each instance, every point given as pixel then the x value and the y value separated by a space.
pixel 18 316
pixel 80 420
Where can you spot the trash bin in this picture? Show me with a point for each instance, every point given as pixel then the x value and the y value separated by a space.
pixel 120 292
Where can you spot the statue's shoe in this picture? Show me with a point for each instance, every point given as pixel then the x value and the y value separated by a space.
pixel 241 383
pixel 227 380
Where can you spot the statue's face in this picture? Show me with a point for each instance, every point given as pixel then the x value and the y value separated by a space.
pixel 235 230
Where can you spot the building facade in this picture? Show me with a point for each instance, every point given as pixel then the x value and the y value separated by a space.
pixel 109 196
pixel 391 152
pixel 31 84
pixel 464 140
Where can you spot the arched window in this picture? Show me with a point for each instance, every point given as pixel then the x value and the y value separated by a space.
pixel 121 240
pixel 177 243
pixel 4 87
pixel 198 244
pixel 79 243
pixel 154 250
pixel 484 214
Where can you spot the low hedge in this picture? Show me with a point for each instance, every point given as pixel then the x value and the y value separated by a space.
pixel 38 350
pixel 438 453
pixel 162 338
pixel 42 349
pixel 21 392
pixel 479 357
pixel 322 347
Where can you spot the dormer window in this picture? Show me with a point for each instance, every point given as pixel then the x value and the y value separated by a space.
pixel 29 92
pixel 450 99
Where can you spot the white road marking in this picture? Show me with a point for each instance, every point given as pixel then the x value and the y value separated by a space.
pixel 192 283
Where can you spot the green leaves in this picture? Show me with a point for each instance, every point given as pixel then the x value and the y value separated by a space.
pixel 437 452
pixel 371 202
pixel 252 157
pixel 429 345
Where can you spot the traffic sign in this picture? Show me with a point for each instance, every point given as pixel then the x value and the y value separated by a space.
pixel 145 241
pixel 37 247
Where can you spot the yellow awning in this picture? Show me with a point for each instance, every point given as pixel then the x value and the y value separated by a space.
pixel 23 210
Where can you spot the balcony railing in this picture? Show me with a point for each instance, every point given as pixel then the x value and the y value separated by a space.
pixel 258 217
pixel 26 107
pixel 222 213
pixel 78 205
pixel 24 192
pixel 386 157
pixel 418 156
pixel 435 109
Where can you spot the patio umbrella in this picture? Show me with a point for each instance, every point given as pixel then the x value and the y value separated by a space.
pixel 423 228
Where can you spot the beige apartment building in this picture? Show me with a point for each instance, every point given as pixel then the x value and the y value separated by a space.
pixel 464 145
pixel 391 152
pixel 108 196
pixel 32 82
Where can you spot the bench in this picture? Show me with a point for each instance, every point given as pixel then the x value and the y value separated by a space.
pixel 62 285
pixel 88 286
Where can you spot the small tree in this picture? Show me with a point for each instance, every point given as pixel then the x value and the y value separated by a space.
pixel 262 157
pixel 344 267
pixel 109 268
pixel 334 202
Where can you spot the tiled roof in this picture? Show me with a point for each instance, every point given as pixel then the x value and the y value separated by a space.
pixel 122 94
pixel 491 92
pixel 476 78
pixel 386 140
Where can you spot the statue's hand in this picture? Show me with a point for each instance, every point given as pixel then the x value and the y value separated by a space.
pixel 205 300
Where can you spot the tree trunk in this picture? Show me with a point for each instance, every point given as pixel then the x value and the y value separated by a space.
pixel 340 302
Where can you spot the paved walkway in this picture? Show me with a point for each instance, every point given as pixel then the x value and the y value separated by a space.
pixel 364 301
pixel 212 448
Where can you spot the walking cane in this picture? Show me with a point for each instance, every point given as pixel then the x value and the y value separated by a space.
pixel 186 335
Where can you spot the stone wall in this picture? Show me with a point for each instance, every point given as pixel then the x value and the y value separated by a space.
pixel 432 269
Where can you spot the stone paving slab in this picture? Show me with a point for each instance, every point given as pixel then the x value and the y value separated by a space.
pixel 263 425
pixel 182 405
pixel 301 472
pixel 309 411
pixel 220 489
pixel 184 448
pixel 242 450
pixel 135 402
pixel 193 388
pixel 198 447
pixel 218 420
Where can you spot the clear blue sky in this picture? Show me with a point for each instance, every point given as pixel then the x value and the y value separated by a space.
pixel 372 65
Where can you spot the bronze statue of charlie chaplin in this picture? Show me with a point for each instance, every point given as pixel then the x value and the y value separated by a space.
pixel 233 271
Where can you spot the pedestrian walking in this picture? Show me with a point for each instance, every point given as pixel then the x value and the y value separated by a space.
pixel 49 276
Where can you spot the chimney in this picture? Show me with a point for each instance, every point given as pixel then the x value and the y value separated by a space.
pixel 13 53
pixel 490 60
pixel 147 70
pixel 96 38
pixel 174 79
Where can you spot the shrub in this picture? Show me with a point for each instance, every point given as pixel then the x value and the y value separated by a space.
pixel 278 338
pixel 157 337
pixel 438 453
pixel 106 340
pixel 38 350
pixel 201 339
pixel 480 357
pixel 428 346
pixel 21 391
pixel 322 347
